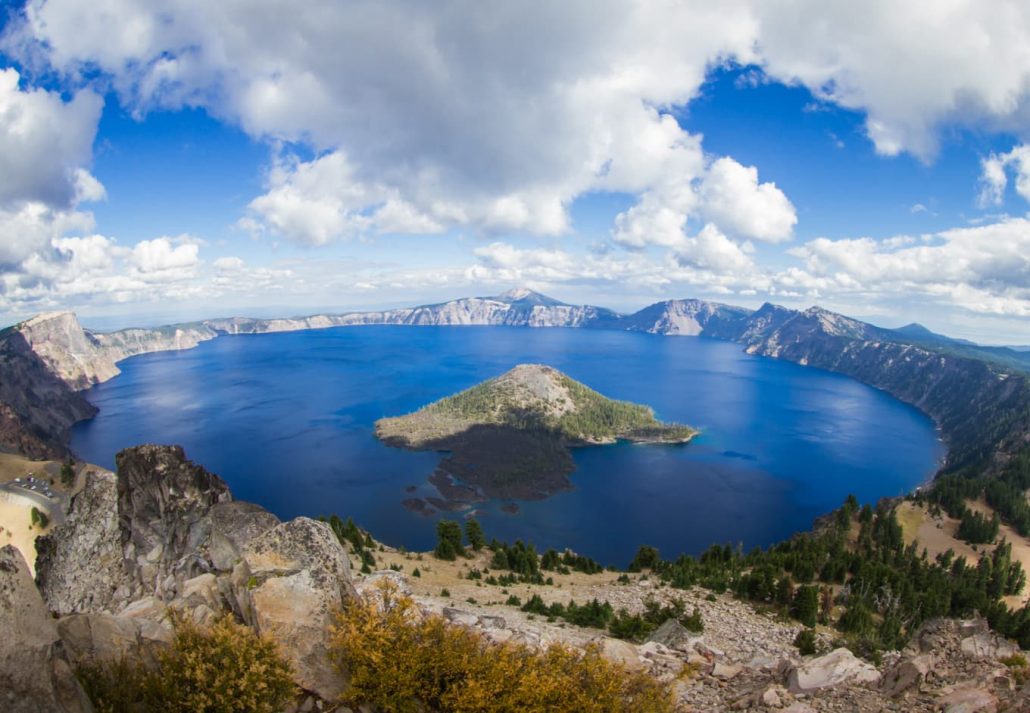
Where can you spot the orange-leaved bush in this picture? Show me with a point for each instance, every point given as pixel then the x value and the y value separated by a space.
pixel 403 661
pixel 224 669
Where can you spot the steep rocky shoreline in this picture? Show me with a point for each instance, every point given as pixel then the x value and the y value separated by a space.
pixel 978 396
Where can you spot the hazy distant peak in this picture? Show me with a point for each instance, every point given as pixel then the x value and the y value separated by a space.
pixel 526 296
pixel 915 329
pixel 838 325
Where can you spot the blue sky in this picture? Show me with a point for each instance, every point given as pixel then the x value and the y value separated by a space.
pixel 163 161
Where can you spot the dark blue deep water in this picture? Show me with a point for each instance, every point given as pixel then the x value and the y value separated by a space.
pixel 287 420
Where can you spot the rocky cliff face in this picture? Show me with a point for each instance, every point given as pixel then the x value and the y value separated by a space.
pixel 72 354
pixel 982 409
pixel 688 318
pixel 35 672
pixel 37 407
pixel 79 565
pixel 126 343
pixel 515 308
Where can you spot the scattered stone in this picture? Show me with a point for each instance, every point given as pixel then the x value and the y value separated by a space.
pixel 968 700
pixel 462 618
pixel 987 647
pixel 773 696
pixel 799 707
pixel 725 671
pixel 619 651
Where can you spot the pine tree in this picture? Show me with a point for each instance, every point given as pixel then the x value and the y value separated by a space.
pixel 448 540
pixel 474 534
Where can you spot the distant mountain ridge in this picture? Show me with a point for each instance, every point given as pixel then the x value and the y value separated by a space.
pixel 978 396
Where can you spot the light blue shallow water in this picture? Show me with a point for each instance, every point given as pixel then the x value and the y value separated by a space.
pixel 287 420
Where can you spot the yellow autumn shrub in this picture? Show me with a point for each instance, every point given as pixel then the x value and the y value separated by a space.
pixel 406 663
pixel 224 669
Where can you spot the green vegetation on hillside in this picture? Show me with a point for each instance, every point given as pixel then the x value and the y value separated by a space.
pixel 448 540
pixel 977 529
pixel 359 540
pixel 875 590
pixel 38 518
pixel 1005 491
pixel 596 417
pixel 621 625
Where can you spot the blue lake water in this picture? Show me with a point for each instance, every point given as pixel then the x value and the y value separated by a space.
pixel 287 420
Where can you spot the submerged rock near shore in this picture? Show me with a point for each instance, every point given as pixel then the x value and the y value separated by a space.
pixel 508 437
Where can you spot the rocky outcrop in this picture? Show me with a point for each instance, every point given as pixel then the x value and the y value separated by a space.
pixel 908 673
pixel 164 504
pixel 164 535
pixel 291 581
pixel 674 635
pixel 79 564
pixel 35 673
pixel 148 531
pixel 233 525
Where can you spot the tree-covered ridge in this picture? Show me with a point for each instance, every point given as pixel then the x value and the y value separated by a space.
pixel 873 588
pixel 533 397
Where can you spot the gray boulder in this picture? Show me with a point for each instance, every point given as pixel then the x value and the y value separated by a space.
pixel 290 583
pixel 97 638
pixel 907 673
pixel 674 635
pixel 35 674
pixel 233 525
pixel 987 647
pixel 968 699
pixel 837 667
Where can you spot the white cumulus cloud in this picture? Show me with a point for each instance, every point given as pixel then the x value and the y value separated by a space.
pixel 44 143
pixel 994 175
pixel 732 198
